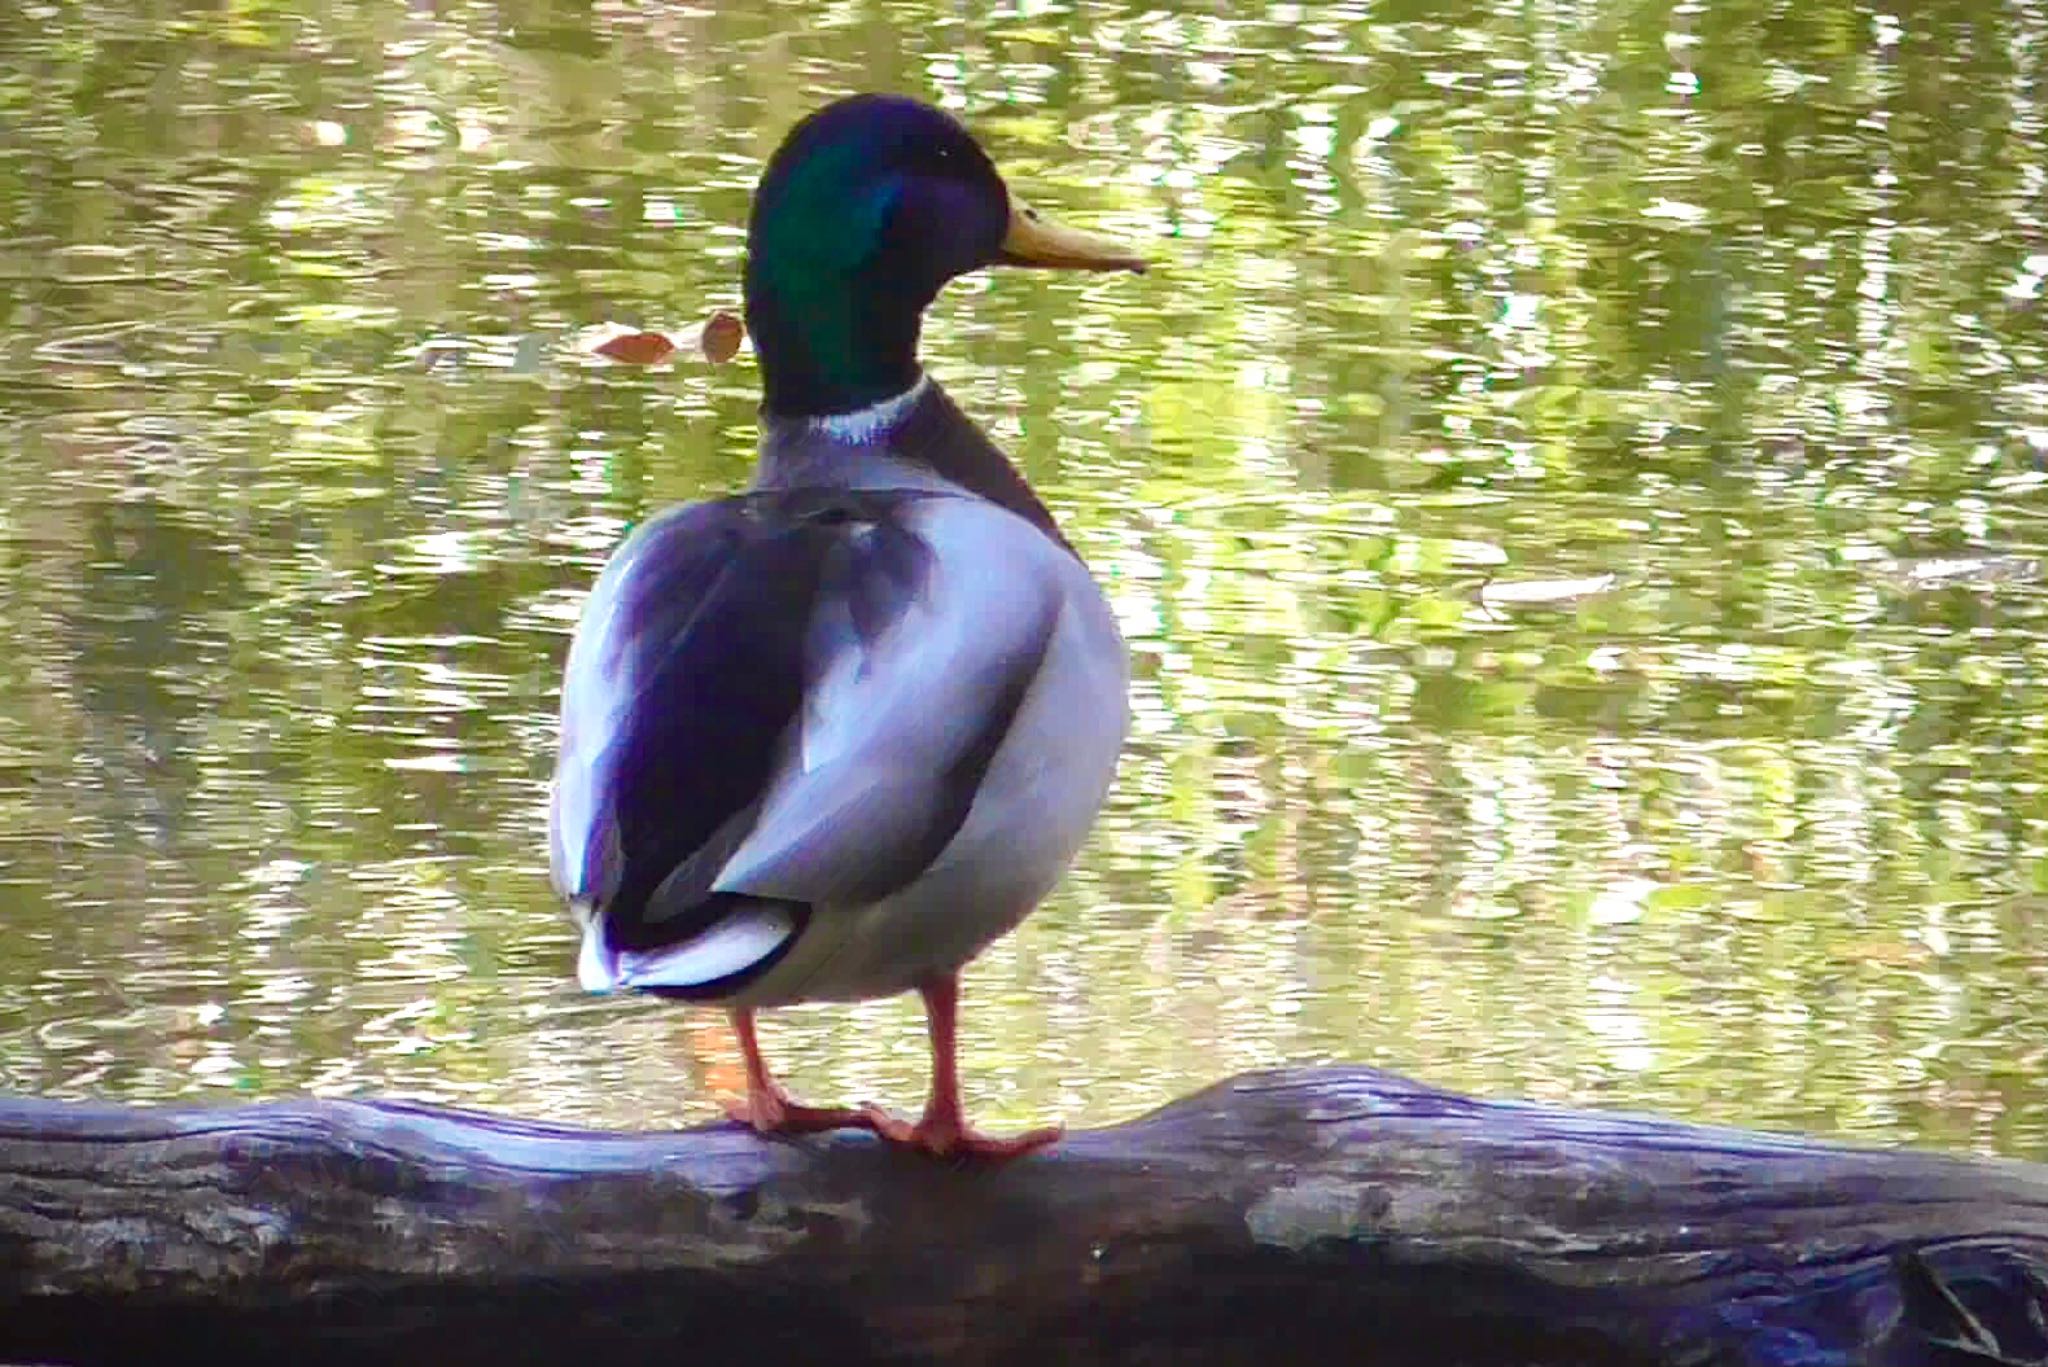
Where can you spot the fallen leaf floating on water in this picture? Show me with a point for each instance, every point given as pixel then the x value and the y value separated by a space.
pixel 1544 593
pixel 720 337
pixel 1949 571
pixel 716 339
pixel 636 348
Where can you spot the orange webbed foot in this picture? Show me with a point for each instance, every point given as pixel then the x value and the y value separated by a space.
pixel 949 1136
pixel 770 1110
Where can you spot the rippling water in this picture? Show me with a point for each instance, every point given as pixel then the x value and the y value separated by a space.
pixel 1574 489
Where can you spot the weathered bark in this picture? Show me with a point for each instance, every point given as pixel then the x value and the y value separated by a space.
pixel 1328 1216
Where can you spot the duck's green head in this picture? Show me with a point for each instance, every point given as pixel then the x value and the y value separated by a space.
pixel 870 205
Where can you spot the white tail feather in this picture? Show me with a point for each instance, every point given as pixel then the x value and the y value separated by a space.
pixel 733 943
pixel 597 968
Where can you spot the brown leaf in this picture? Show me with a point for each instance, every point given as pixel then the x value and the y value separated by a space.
pixel 636 348
pixel 720 340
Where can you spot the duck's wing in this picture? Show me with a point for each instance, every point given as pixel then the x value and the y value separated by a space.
pixel 778 702
pixel 684 670
pixel 908 698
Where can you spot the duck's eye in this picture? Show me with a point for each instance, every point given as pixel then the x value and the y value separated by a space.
pixel 1031 213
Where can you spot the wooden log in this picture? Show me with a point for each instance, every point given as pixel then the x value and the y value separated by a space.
pixel 1327 1216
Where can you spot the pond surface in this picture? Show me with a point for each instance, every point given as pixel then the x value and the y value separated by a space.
pixel 1574 487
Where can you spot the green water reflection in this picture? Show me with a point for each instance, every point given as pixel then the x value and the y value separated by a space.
pixel 1574 489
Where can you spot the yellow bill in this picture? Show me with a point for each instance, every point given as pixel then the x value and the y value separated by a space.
pixel 1035 240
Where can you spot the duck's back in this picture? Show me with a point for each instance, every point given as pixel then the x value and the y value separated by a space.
pixel 829 736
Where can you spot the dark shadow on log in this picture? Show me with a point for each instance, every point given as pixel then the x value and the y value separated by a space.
pixel 1330 1216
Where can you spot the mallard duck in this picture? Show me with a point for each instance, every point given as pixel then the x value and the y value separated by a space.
pixel 829 738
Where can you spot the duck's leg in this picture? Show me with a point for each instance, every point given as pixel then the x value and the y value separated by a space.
pixel 768 1108
pixel 943 1131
